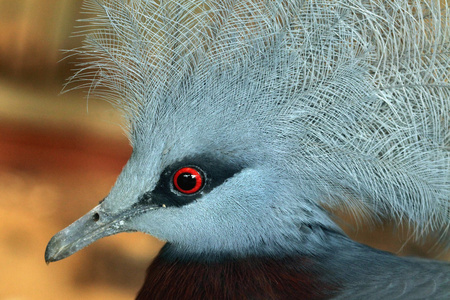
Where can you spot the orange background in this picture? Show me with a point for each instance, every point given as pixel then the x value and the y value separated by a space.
pixel 60 155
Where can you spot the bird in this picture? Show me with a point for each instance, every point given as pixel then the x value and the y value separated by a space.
pixel 253 122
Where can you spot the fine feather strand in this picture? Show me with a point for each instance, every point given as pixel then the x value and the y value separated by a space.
pixel 352 96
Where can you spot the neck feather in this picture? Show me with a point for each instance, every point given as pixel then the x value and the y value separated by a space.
pixel 290 277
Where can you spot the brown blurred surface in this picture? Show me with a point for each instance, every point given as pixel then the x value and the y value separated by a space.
pixel 57 162
pixel 59 156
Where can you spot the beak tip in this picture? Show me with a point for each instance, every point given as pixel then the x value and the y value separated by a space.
pixel 48 257
pixel 53 250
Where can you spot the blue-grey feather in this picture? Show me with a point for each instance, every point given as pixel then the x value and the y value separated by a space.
pixel 349 100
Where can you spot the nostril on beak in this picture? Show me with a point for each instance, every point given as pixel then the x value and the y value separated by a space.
pixel 96 217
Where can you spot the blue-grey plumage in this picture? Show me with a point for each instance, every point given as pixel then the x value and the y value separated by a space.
pixel 280 107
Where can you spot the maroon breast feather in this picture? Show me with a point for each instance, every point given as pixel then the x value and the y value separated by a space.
pixel 248 278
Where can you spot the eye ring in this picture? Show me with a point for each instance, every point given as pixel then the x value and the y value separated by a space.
pixel 188 180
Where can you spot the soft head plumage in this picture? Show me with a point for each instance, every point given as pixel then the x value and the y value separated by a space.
pixel 350 98
pixel 287 106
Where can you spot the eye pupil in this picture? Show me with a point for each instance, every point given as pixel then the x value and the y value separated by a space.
pixel 188 180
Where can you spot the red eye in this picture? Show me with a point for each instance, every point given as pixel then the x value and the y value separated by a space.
pixel 188 180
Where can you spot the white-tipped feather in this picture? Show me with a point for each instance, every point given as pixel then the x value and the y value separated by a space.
pixel 350 96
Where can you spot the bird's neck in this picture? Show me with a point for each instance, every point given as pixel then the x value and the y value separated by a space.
pixel 169 277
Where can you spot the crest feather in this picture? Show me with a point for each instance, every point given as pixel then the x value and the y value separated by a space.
pixel 353 96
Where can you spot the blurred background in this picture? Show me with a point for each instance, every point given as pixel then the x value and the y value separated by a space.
pixel 60 155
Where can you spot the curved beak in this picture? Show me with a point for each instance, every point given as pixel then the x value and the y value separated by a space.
pixel 92 226
pixel 95 225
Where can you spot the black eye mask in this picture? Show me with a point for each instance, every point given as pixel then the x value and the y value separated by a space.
pixel 189 179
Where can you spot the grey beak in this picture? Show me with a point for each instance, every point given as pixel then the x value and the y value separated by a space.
pixel 95 225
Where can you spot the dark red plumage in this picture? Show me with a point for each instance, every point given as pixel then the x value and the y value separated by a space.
pixel 248 278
